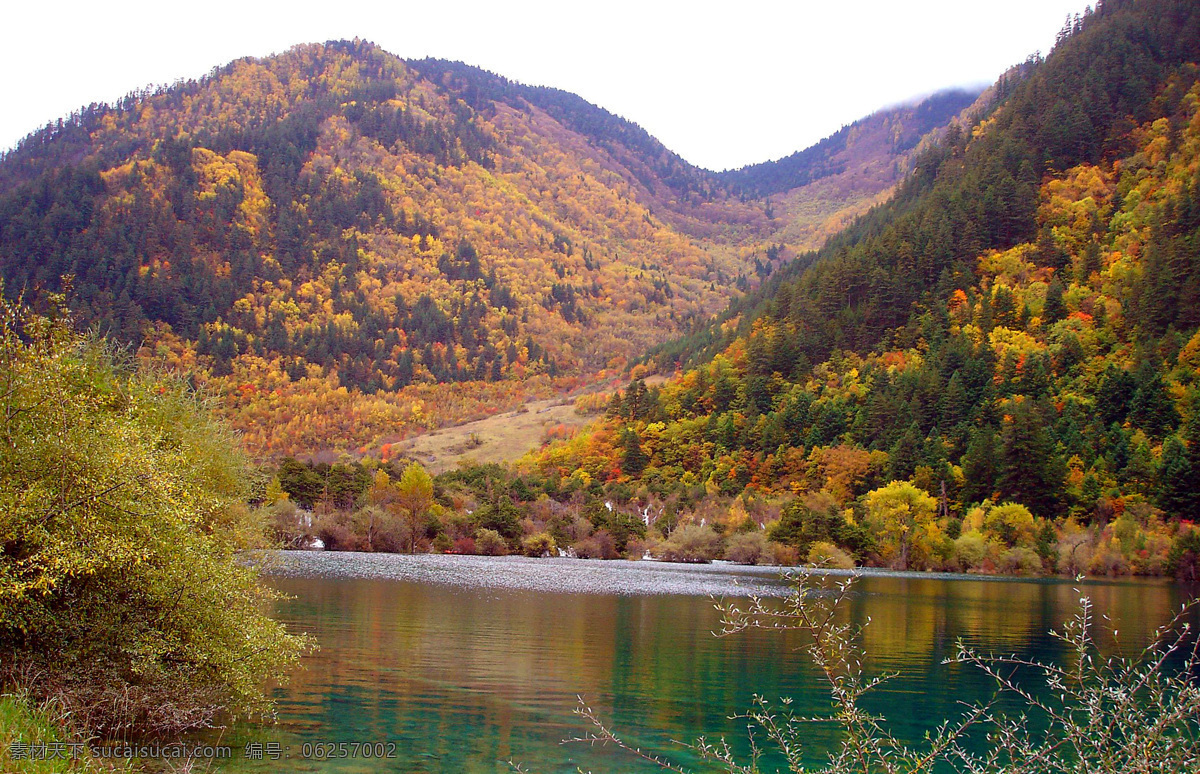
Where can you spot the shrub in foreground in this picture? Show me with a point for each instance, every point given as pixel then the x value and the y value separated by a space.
pixel 123 592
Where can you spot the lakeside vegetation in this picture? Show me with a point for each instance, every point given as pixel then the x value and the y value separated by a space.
pixel 489 509
pixel 124 600
pixel 23 728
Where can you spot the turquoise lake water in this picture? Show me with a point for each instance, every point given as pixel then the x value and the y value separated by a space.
pixel 466 669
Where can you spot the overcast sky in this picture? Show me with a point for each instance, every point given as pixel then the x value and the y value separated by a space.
pixel 722 84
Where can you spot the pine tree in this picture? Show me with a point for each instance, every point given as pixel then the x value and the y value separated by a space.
pixel 1048 251
pixel 955 404
pixel 634 459
pixel 1178 493
pixel 905 455
pixel 1179 470
pixel 1031 473
pixel 1114 394
pixel 979 465
pixel 1055 309
pixel 1151 408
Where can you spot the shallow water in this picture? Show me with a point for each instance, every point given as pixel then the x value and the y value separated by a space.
pixel 465 663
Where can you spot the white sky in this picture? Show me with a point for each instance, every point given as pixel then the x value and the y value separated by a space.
pixel 722 84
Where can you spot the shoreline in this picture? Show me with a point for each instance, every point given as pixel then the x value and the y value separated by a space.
pixel 624 577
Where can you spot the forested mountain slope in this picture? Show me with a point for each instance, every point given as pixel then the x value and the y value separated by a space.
pixel 1018 324
pixel 317 230
pixel 329 160
pixel 346 246
pixel 900 129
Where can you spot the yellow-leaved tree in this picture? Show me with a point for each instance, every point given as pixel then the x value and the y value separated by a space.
pixel 904 518
pixel 415 498
pixel 123 590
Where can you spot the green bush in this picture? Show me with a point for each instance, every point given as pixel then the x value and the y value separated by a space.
pixel 501 517
pixel 122 586
pixel 489 542
pixel 970 550
pixel 809 519
pixel 749 548
pixel 690 543
pixel 541 544
pixel 1184 557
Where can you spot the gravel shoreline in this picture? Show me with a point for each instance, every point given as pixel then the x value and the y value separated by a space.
pixel 562 575
pixel 588 576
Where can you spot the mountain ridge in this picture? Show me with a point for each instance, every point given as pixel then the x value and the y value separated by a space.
pixel 995 370
pixel 336 218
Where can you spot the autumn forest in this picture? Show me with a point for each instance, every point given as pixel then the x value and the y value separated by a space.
pixel 961 334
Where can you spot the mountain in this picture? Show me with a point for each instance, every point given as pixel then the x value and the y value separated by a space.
pixel 346 247
pixel 1019 323
pixel 816 192
pixel 857 148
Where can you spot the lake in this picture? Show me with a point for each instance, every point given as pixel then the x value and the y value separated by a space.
pixel 462 664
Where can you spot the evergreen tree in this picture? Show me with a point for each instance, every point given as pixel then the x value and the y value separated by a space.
pixel 980 466
pixel 1089 263
pixel 1055 309
pixel 1004 308
pixel 633 459
pixel 1178 485
pixel 905 455
pixel 1114 394
pixel 1031 472
pixel 1048 251
pixel 1151 408
pixel 955 403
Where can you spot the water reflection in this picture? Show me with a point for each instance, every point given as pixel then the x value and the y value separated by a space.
pixel 465 680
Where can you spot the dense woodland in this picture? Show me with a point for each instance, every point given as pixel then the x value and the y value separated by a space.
pixel 995 371
pixel 331 221
pixel 346 247
pixel 1017 326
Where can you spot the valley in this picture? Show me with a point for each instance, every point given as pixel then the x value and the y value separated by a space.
pixel 337 231
pixel 464 393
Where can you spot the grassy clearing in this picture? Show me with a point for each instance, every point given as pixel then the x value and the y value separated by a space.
pixel 21 725
pixel 501 438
